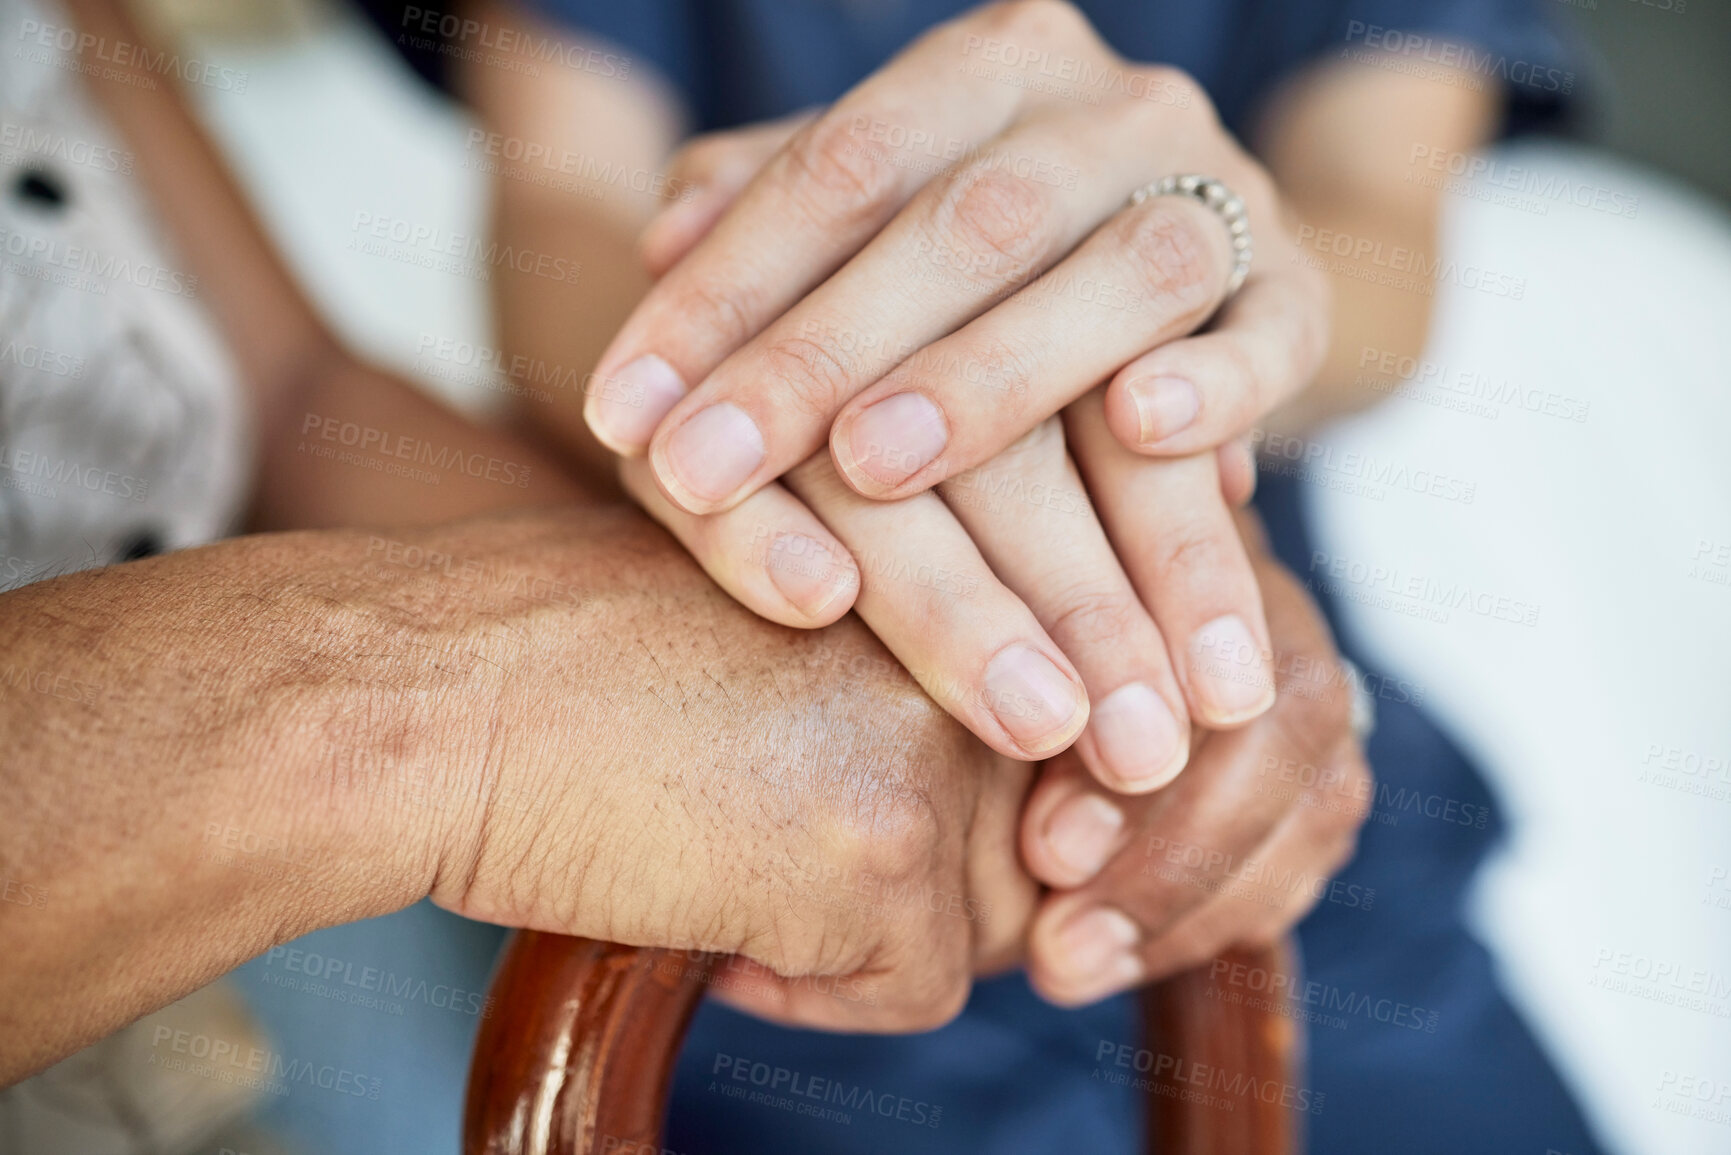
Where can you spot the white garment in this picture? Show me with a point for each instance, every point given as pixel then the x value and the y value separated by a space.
pixel 1549 561
pixel 124 429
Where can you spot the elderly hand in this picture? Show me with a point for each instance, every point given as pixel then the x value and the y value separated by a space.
pixel 1235 852
pixel 664 769
pixel 924 276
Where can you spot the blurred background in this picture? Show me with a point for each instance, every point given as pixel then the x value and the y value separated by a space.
pixel 1599 522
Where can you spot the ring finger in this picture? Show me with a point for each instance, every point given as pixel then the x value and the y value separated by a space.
pixel 1137 737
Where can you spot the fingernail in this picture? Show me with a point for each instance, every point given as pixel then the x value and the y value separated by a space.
pixel 897 437
pixel 807 572
pixel 1164 406
pixel 1229 671
pixel 1081 832
pixel 1032 699
pixel 1137 737
pixel 1094 951
pixel 712 454
pixel 631 401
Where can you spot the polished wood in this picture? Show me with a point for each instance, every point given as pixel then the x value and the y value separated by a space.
pixel 1225 1073
pixel 577 1054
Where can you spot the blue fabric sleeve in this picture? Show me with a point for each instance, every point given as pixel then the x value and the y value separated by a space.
pixel 740 60
pixel 1514 44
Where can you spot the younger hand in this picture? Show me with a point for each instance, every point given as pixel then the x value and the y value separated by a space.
pixel 958 291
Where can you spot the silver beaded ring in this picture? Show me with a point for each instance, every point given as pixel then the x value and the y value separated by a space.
pixel 1219 198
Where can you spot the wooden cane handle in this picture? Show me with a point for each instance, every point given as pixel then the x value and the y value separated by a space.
pixel 1226 1058
pixel 576 1055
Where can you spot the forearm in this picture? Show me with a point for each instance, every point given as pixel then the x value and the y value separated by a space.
pixel 578 124
pixel 1340 142
pixel 192 746
pixel 358 446
pixel 554 333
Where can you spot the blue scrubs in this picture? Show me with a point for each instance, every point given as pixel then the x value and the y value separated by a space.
pixel 1412 1046
pixel 1413 1049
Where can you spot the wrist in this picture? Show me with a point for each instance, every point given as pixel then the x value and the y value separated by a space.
pixel 385 723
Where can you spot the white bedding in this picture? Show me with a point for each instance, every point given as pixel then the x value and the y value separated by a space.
pixel 1595 523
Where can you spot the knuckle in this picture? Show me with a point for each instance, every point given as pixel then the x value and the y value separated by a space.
pixel 994 212
pixel 812 378
pixel 994 364
pixel 1038 19
pixel 1312 726
pixel 935 1003
pixel 1170 79
pixel 1192 548
pixel 837 181
pixel 726 308
pixel 1041 449
pixel 886 831
pixel 1171 260
pixel 1239 367
pixel 1095 616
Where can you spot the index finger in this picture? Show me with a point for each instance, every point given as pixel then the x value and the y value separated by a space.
pixel 816 203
